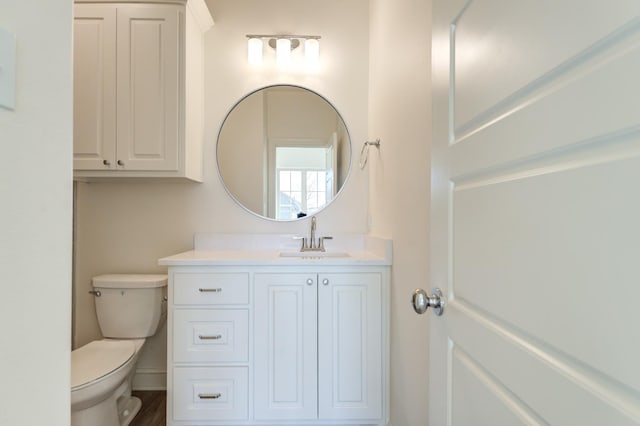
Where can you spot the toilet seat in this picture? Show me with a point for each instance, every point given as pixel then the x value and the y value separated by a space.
pixel 98 359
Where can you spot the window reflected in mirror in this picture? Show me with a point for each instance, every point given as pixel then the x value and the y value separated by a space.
pixel 304 180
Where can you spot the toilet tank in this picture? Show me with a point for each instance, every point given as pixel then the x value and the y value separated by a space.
pixel 129 305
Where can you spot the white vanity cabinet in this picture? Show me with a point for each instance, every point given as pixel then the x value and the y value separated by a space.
pixel 138 80
pixel 318 346
pixel 277 345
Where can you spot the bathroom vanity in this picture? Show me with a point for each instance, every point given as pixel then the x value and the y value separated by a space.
pixel 262 334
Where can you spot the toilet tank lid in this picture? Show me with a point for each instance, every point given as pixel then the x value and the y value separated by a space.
pixel 130 280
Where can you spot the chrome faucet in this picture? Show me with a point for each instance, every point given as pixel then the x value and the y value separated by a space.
pixel 310 244
pixel 313 231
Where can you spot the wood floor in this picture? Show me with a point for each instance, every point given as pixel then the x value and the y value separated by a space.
pixel 153 411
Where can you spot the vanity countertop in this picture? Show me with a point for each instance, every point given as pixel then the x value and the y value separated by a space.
pixel 267 250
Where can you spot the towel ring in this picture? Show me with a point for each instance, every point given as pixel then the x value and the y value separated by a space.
pixel 364 154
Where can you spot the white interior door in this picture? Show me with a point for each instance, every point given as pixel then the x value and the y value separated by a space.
pixel 536 212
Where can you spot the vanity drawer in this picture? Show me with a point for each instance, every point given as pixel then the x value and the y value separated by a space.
pixel 210 288
pixel 211 393
pixel 210 335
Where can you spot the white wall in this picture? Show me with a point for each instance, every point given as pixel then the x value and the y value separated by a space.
pixel 125 227
pixel 35 218
pixel 400 113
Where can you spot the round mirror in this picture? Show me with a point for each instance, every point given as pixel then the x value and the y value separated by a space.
pixel 283 152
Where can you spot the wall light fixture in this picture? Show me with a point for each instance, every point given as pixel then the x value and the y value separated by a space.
pixel 283 44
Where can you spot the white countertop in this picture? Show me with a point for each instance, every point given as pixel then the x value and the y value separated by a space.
pixel 266 250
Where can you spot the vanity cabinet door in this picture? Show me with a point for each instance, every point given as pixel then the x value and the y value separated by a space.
pixel 350 346
pixel 285 345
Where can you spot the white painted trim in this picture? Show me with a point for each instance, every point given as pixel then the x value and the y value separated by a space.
pixel 201 14
pixel 150 379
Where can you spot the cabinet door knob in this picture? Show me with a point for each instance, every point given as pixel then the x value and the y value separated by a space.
pixel 309 281
pixel 325 281
pixel 106 162
pixel 120 163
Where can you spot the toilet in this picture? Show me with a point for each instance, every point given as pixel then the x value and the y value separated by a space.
pixel 129 307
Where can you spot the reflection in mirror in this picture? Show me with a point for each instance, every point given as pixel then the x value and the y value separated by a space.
pixel 283 152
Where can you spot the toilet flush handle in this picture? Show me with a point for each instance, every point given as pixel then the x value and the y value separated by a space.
pixel 96 293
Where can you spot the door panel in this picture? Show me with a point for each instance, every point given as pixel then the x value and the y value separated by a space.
pixel 536 159
pixel 541 262
pixel 599 80
pixel 482 399
pixel 503 49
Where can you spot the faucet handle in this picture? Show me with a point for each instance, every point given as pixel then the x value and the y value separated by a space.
pixel 321 242
pixel 303 242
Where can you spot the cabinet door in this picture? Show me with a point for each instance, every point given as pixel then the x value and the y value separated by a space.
pixel 285 342
pixel 350 343
pixel 94 87
pixel 148 87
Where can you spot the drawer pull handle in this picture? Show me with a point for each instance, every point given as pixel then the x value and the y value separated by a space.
pixel 209 395
pixel 210 290
pixel 204 337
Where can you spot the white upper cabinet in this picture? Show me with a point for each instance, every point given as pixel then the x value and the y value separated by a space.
pixel 138 82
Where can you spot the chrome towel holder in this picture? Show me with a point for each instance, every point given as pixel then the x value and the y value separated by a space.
pixel 364 154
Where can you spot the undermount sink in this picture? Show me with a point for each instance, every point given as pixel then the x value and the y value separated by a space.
pixel 308 254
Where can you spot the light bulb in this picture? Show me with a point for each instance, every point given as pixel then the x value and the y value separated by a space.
pixel 312 50
pixel 283 51
pixel 254 51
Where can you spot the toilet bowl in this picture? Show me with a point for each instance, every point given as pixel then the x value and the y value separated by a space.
pixel 101 376
pixel 129 309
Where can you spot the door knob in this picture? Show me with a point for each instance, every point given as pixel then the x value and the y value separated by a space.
pixel 421 301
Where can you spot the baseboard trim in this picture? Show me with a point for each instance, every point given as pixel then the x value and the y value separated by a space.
pixel 147 379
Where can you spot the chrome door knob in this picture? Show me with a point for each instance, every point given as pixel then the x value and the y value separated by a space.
pixel 421 301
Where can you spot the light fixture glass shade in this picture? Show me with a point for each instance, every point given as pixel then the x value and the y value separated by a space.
pixel 283 51
pixel 254 51
pixel 312 50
